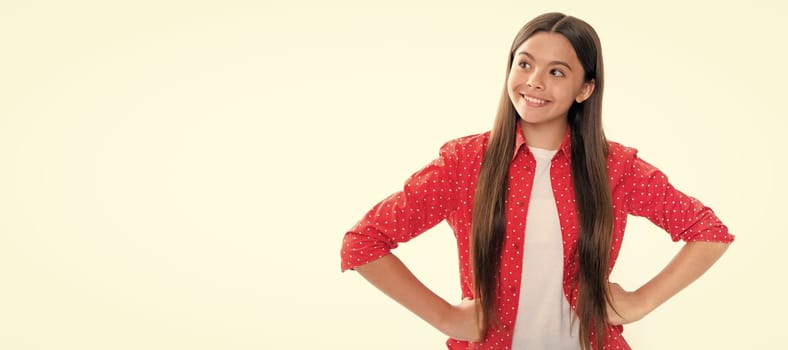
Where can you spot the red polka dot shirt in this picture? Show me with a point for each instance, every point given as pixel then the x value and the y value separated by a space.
pixel 444 190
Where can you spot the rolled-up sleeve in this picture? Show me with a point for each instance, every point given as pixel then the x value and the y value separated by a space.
pixel 685 218
pixel 427 197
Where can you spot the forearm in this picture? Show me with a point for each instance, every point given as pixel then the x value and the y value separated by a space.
pixel 394 279
pixel 694 259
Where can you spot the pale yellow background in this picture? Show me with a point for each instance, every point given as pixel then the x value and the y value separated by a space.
pixel 179 175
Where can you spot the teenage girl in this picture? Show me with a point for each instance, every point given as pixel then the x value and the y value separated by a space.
pixel 538 206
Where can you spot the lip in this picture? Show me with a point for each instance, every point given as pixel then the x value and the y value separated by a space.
pixel 533 101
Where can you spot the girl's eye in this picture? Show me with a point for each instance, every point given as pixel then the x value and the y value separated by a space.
pixel 524 65
pixel 557 73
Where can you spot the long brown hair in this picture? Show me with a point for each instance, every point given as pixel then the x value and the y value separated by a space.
pixel 589 174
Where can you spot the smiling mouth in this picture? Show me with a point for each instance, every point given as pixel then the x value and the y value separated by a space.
pixel 533 100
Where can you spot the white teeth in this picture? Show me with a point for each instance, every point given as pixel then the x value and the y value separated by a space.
pixel 533 99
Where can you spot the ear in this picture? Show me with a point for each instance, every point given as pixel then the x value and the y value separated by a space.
pixel 586 91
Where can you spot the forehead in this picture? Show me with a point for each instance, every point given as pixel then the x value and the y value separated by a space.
pixel 548 47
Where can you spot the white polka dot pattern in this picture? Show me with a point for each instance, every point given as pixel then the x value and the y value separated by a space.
pixel 444 190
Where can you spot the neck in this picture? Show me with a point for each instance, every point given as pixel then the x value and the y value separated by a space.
pixel 544 136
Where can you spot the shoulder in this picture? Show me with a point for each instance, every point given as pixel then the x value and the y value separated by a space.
pixel 626 160
pixel 622 160
pixel 469 141
pixel 619 154
pixel 466 146
pixel 617 150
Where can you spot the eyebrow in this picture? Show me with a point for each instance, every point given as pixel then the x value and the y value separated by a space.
pixel 562 63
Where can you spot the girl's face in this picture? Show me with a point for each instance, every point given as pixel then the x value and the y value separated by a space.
pixel 545 79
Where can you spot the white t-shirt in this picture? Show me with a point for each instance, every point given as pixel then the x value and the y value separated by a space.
pixel 543 314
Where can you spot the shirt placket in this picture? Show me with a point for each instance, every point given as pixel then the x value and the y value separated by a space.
pixel 521 177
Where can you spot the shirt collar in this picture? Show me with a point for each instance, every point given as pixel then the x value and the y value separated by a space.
pixel 519 143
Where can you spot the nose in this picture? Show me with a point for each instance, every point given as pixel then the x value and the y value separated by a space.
pixel 535 81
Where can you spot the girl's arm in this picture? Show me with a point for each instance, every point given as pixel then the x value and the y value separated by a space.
pixel 649 194
pixel 394 279
pixel 691 262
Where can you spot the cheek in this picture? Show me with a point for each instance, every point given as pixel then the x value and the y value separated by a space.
pixel 568 93
pixel 510 87
pixel 512 82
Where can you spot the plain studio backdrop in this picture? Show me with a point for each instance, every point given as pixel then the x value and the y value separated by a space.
pixel 179 175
